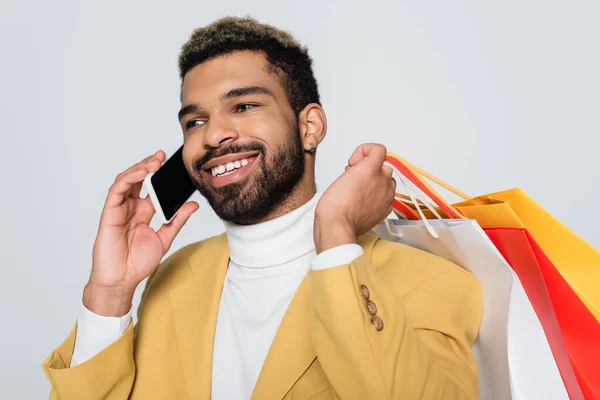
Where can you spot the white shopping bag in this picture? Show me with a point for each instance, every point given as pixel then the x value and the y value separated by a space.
pixel 512 353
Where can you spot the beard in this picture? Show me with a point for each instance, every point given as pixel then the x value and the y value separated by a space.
pixel 252 198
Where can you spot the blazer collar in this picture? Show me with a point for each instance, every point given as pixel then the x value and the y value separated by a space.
pixel 195 304
pixel 291 352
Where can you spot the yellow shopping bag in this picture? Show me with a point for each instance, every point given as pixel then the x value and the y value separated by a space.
pixel 577 261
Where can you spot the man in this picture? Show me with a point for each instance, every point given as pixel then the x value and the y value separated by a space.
pixel 298 299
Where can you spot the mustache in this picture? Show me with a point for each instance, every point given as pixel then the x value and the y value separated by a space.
pixel 223 151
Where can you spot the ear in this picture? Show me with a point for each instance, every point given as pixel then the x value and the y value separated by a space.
pixel 312 124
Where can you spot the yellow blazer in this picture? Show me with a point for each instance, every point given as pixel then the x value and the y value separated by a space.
pixel 328 346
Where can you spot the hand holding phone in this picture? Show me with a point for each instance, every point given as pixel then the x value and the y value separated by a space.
pixel 127 250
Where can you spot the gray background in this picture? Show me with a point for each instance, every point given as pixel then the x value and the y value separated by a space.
pixel 487 94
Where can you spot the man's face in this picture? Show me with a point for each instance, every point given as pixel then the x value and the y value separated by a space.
pixel 242 146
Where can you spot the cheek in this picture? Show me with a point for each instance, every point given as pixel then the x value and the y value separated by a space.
pixel 191 152
pixel 192 144
pixel 273 130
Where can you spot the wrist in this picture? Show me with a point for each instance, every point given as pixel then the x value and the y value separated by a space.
pixel 107 301
pixel 332 232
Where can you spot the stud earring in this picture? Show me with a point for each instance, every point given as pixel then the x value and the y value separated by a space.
pixel 312 147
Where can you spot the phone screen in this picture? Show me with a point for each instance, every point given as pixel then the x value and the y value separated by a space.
pixel 172 184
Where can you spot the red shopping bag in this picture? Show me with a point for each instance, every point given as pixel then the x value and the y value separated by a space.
pixel 567 322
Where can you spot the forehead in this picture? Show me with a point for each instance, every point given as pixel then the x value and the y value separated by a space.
pixel 207 81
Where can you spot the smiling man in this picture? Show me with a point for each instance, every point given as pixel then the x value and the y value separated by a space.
pixel 298 299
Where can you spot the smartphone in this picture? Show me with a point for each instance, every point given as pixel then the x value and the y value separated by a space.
pixel 169 187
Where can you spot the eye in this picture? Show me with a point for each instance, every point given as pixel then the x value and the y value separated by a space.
pixel 193 123
pixel 244 107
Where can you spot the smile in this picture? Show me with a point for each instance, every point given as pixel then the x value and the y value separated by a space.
pixel 231 171
pixel 226 169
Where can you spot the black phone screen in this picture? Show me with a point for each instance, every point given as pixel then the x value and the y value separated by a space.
pixel 172 184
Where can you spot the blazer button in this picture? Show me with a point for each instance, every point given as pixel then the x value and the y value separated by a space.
pixel 371 307
pixel 377 323
pixel 365 292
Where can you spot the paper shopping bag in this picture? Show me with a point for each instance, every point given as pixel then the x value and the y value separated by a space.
pixel 565 319
pixel 570 327
pixel 577 261
pixel 513 356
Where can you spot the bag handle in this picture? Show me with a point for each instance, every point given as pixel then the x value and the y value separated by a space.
pixel 415 175
pixel 431 177
pixel 413 193
pixel 404 210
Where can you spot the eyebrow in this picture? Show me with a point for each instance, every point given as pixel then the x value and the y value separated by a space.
pixel 231 94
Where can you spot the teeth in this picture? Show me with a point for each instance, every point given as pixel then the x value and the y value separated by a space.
pixel 229 167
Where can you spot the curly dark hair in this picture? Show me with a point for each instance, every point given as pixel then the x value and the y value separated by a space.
pixel 286 58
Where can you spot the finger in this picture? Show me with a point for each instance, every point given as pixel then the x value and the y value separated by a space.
pixel 145 210
pixel 151 166
pixel 153 163
pixel 122 187
pixel 390 209
pixel 168 232
pixel 159 156
pixel 387 171
pixel 374 151
pixel 358 155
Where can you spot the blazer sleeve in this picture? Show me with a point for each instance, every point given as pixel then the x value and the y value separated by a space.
pixel 401 330
pixel 107 375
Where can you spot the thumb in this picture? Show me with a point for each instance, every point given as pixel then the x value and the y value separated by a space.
pixel 377 151
pixel 168 232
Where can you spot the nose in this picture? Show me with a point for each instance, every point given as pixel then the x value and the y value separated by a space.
pixel 219 132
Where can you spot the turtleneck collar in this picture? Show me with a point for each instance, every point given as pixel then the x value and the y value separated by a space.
pixel 273 242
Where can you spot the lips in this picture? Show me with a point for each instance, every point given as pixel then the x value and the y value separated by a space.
pixel 230 172
pixel 225 169
pixel 229 158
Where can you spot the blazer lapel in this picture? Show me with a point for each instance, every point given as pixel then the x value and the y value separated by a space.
pixel 195 306
pixel 291 352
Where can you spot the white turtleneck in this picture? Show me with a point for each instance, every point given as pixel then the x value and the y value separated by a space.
pixel 266 265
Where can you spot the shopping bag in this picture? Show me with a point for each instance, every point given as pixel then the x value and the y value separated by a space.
pixel 565 319
pixel 577 261
pixel 571 325
pixel 513 355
